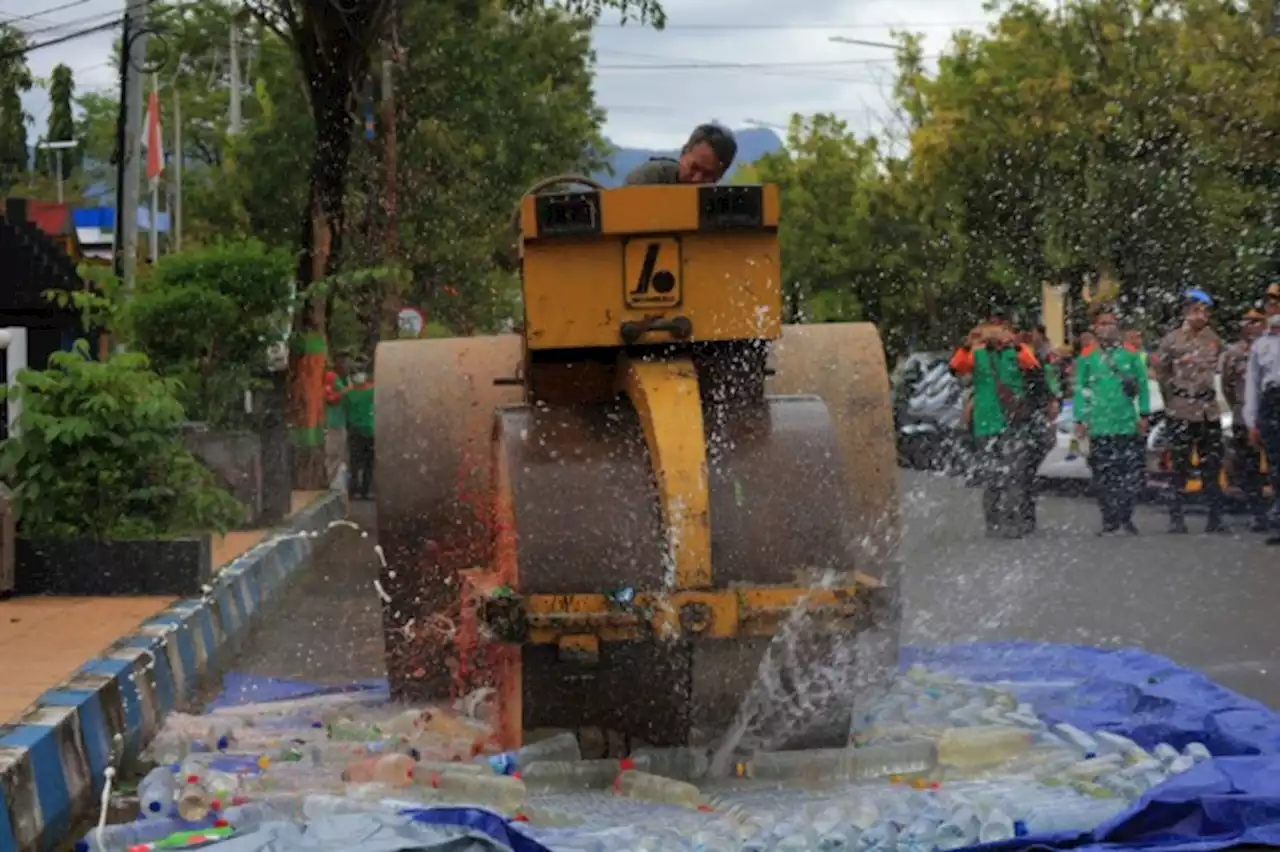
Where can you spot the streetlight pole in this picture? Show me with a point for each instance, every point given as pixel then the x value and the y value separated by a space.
pixel 57 148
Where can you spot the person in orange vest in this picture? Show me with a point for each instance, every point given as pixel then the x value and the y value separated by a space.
pixel 1003 372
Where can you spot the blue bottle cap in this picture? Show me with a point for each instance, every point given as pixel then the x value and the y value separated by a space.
pixel 1020 828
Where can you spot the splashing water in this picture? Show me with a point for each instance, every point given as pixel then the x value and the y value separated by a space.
pixel 808 681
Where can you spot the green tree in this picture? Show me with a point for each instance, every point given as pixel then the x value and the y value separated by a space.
pixel 334 44
pixel 61 126
pixel 500 100
pixel 15 79
pixel 206 316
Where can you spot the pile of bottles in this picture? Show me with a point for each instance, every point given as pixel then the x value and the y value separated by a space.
pixel 935 764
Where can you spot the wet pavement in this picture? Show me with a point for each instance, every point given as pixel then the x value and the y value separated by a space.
pixel 1204 601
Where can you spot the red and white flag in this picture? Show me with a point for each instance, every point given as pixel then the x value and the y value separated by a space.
pixel 152 139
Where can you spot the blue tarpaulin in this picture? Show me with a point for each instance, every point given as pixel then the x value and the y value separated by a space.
pixel 1231 800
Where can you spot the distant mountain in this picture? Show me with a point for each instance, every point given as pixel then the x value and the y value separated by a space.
pixel 753 143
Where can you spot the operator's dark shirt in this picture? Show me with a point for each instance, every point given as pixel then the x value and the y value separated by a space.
pixel 656 170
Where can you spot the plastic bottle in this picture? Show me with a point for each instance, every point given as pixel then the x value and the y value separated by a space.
pixel 959 829
pixel 881 837
pixel 1197 752
pixel 194 801
pixel 348 731
pixel 393 769
pixel 559 748
pixel 1078 739
pixel 655 788
pixel 683 763
pixel 1165 753
pixel 983 746
pixel 920 835
pixel 499 792
pixel 250 815
pixel 565 775
pixel 997 826
pixel 112 838
pixel 1076 816
pixel 157 794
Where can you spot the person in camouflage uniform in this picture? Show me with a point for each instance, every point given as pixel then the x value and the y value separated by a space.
pixel 1246 461
pixel 1186 364
pixel 704 159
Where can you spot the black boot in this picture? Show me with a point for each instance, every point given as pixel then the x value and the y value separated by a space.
pixel 1177 524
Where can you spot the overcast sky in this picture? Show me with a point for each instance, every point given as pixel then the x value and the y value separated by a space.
pixel 767 59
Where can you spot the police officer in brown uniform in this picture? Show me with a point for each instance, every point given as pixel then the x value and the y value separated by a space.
pixel 1186 366
pixel 1246 460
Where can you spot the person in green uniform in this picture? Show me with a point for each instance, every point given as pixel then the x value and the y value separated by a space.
pixel 1001 415
pixel 1038 434
pixel 357 404
pixel 704 159
pixel 1111 406
pixel 335 428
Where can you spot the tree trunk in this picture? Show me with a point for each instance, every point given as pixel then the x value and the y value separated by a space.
pixel 321 248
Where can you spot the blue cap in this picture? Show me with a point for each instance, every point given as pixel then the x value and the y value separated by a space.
pixel 1195 294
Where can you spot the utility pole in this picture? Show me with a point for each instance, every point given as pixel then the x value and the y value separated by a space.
pixel 384 314
pixel 175 211
pixel 234 118
pixel 129 140
pixel 58 148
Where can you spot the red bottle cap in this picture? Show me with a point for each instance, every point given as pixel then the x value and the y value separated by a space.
pixel 626 763
pixel 220 823
pixel 193 779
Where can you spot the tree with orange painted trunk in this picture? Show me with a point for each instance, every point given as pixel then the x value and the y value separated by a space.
pixel 334 43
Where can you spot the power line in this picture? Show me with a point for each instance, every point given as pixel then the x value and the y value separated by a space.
pixel 74 22
pixel 712 66
pixel 11 54
pixel 43 12
pixel 800 27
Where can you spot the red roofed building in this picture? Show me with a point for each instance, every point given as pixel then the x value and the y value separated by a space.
pixel 57 222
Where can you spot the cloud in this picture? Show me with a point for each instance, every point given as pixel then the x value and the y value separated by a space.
pixel 651 82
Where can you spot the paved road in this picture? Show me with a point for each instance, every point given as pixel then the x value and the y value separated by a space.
pixel 1204 601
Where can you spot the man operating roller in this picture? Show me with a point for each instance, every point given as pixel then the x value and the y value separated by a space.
pixel 705 158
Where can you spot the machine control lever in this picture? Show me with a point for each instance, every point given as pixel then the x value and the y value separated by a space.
pixel 681 328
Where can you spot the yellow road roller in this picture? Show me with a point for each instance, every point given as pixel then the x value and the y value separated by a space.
pixel 603 519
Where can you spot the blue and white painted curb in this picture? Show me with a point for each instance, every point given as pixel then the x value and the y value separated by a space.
pixel 53 759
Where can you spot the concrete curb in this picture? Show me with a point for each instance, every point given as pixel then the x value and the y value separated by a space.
pixel 52 760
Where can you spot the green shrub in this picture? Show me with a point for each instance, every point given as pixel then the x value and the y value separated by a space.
pixel 206 318
pixel 98 453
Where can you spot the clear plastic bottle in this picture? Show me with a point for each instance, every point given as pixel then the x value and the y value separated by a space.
pixel 112 838
pixel 1078 739
pixel 997 826
pixel 394 769
pixel 1074 816
pixel 920 835
pixel 194 801
pixel 655 788
pixel 250 815
pixel 965 748
pixel 501 793
pixel 881 837
pixel 683 763
pixel 348 731
pixel 959 829
pixel 1165 753
pixel 157 794
pixel 565 775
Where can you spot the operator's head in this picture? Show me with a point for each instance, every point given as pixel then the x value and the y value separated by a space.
pixel 1133 337
pixel 707 155
pixel 1273 304
pixel 1195 308
pixel 1252 324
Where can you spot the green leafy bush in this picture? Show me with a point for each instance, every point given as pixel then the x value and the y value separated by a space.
pixel 206 318
pixel 97 453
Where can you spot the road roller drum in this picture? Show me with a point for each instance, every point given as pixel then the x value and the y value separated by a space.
pixel 608 517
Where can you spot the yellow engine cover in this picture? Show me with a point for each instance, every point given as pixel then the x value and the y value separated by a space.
pixel 595 261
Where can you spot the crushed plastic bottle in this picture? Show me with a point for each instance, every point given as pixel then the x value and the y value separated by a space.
pixel 984 746
pixel 158 794
pixel 502 793
pixel 635 784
